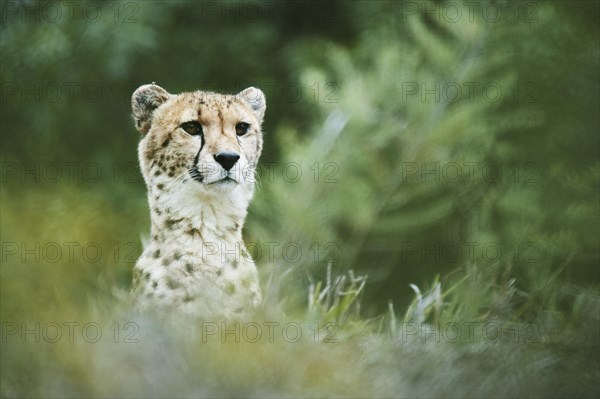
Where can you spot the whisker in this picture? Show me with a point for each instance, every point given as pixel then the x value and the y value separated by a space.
pixel 257 179
pixel 194 173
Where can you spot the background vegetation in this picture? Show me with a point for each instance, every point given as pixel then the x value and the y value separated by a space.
pixel 446 145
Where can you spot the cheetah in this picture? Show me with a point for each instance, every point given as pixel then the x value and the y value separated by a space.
pixel 198 154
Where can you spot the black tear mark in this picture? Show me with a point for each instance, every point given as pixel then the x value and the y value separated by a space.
pixel 156 254
pixel 147 276
pixel 167 140
pixel 154 284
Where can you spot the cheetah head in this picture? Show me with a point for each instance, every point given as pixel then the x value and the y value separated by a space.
pixel 202 139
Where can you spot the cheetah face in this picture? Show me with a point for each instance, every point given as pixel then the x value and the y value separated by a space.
pixel 203 138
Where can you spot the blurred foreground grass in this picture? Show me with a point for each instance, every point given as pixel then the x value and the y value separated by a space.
pixel 68 331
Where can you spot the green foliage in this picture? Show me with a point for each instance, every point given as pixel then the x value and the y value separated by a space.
pixel 421 168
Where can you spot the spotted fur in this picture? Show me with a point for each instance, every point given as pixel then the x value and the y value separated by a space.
pixel 196 261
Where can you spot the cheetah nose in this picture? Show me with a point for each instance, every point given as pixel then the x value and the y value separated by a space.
pixel 227 159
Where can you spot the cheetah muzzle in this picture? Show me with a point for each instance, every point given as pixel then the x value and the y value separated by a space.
pixel 198 156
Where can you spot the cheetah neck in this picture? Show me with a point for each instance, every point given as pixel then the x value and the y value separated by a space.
pixel 196 260
pixel 200 215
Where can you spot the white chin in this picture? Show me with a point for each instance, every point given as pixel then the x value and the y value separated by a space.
pixel 226 184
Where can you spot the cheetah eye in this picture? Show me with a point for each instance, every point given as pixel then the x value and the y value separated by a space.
pixel 193 128
pixel 242 128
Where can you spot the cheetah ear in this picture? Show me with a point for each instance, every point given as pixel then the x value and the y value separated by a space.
pixel 143 103
pixel 256 99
